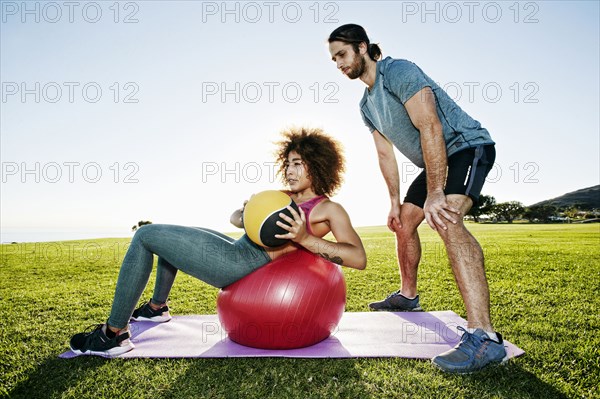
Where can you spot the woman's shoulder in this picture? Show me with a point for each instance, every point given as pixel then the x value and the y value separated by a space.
pixel 329 207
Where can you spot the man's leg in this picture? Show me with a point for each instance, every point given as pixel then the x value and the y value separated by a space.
pixel 408 247
pixel 479 346
pixel 466 259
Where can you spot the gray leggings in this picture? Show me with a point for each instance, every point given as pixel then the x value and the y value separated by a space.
pixel 208 255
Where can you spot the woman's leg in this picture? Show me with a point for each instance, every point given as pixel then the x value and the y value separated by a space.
pixel 165 276
pixel 166 273
pixel 205 254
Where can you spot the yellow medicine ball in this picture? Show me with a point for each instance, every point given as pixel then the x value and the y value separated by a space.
pixel 261 214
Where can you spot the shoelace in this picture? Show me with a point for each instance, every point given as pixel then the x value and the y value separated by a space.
pixel 468 341
pixel 95 327
pixel 393 294
pixel 89 331
pixel 92 327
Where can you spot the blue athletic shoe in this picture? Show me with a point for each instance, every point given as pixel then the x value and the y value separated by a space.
pixel 474 352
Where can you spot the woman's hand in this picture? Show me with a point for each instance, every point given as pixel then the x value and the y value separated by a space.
pixel 237 217
pixel 296 226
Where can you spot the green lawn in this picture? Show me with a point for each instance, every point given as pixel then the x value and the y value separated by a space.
pixel 545 287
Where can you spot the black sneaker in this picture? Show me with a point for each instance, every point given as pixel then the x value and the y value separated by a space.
pixel 396 302
pixel 97 343
pixel 146 313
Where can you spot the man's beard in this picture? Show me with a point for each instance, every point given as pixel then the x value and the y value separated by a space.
pixel 357 68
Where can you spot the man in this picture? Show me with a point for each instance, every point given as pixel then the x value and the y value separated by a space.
pixel 405 108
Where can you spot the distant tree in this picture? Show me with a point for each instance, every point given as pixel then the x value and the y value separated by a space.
pixel 508 211
pixel 540 213
pixel 571 212
pixel 486 202
pixel 140 224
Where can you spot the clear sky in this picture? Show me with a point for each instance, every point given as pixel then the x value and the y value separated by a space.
pixel 113 112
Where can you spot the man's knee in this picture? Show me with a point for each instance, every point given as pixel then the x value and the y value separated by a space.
pixel 411 216
pixel 461 202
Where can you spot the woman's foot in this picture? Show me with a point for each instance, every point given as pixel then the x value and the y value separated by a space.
pixel 98 343
pixel 147 312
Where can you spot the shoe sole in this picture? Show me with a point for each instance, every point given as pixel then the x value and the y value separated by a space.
pixel 155 319
pixel 113 352
pixel 419 309
pixel 502 362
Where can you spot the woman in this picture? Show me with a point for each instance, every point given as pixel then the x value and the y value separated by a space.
pixel 311 164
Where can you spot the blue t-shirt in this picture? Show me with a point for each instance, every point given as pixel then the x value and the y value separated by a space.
pixel 382 109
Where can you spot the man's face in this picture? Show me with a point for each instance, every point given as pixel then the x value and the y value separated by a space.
pixel 351 64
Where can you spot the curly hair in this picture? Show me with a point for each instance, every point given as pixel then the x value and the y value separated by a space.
pixel 322 155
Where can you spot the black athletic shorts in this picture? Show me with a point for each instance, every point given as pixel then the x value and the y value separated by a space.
pixel 467 170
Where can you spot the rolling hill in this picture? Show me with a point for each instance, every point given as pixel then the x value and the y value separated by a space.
pixel 584 199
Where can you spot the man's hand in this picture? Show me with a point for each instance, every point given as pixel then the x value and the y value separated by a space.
pixel 393 221
pixel 437 209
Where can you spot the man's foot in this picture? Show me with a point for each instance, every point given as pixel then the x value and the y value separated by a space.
pixel 474 352
pixel 146 313
pixel 97 343
pixel 396 302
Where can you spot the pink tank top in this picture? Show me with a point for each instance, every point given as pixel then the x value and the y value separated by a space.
pixel 308 206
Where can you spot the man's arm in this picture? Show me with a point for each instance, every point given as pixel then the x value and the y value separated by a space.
pixel 389 170
pixel 421 109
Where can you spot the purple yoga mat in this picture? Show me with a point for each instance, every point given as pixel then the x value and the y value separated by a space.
pixel 417 335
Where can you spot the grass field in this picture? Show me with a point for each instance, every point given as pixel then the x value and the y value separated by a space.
pixel 545 287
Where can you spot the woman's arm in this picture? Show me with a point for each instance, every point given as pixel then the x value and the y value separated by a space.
pixel 347 251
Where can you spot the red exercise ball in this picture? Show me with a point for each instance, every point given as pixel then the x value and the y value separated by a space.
pixel 291 302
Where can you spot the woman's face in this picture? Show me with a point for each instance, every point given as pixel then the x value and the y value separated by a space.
pixel 296 173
